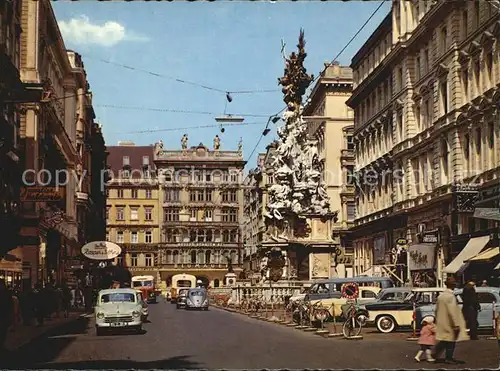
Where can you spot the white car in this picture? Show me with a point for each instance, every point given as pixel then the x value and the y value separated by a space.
pixel 118 309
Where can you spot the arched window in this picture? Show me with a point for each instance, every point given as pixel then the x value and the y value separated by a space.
pixel 216 257
pixel 234 257
pixel 209 236
pixel 233 236
pixel 216 282
pixel 224 257
pixel 193 256
pixel 193 236
pixel 170 258
pixel 176 257
pixel 208 255
pixel 201 235
pixel 201 257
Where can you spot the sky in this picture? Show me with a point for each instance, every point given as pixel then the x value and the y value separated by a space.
pixel 229 46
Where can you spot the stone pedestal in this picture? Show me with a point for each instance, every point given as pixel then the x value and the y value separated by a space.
pixel 230 279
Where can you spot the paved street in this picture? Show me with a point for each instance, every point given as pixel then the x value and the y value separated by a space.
pixel 219 339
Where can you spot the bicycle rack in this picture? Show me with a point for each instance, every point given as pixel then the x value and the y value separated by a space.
pixel 335 333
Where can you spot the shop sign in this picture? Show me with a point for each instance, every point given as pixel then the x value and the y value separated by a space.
pixel 401 242
pixel 101 250
pixel 38 193
pixel 422 256
pixel 487 213
pixel 430 237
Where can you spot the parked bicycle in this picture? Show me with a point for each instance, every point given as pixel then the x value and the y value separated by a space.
pixel 352 326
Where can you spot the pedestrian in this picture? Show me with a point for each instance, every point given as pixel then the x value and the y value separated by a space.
pixel 66 299
pixel 39 304
pixel 427 339
pixel 484 284
pixel 470 308
pixel 6 314
pixel 450 324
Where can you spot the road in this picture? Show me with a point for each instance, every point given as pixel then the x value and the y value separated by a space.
pixel 179 339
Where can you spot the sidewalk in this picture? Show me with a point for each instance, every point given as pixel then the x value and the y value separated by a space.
pixel 20 335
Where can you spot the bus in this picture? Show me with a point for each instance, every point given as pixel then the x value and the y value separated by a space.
pixel 146 284
pixel 180 281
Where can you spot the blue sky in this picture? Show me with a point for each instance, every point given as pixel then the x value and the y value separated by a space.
pixel 232 46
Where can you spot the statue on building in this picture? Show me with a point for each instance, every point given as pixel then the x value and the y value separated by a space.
pixel 229 264
pixel 216 143
pixel 184 141
pixel 159 147
pixel 240 146
pixel 298 188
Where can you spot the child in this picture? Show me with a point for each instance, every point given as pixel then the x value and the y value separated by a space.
pixel 427 339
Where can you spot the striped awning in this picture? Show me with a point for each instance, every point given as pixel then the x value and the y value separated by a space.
pixel 471 250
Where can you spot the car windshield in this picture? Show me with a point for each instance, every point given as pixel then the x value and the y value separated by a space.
pixel 183 283
pixel 143 283
pixel 118 297
pixel 183 292
pixel 197 293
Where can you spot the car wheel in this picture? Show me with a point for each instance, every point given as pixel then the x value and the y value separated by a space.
pixel 386 324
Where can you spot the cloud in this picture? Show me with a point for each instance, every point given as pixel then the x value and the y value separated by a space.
pixel 81 31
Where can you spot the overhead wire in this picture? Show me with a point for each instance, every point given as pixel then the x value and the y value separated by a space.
pixel 182 81
pixel 326 67
pixel 187 128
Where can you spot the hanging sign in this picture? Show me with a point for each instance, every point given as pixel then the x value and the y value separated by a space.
pixel 101 250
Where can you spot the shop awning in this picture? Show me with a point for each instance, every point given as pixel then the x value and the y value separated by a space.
pixel 486 254
pixel 472 249
pixel 497 267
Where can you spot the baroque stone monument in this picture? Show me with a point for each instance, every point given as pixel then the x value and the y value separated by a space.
pixel 298 205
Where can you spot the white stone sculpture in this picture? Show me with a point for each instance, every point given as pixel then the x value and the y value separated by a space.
pixel 184 141
pixel 216 143
pixel 298 188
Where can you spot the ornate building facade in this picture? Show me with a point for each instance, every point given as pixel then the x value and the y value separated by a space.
pixel 132 215
pixel 331 123
pixel 202 210
pixel 426 136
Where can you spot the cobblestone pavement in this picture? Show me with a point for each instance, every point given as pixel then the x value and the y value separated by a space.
pixel 220 339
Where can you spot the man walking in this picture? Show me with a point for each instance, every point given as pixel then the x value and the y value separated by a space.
pixel 470 308
pixel 450 324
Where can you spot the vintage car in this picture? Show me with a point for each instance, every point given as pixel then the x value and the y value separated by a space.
pixel 489 298
pixel 390 294
pixel 389 315
pixel 334 304
pixel 181 298
pixel 118 309
pixel 145 307
pixel 197 299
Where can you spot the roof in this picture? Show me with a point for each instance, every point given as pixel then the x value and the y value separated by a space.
pixel 135 155
pixel 122 290
pixel 428 289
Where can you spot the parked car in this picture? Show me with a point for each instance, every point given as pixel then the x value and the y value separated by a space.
pixel 489 298
pixel 181 299
pixel 390 295
pixel 389 315
pixel 197 299
pixel 335 302
pixel 118 309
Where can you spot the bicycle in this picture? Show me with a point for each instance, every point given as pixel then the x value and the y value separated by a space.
pixel 352 326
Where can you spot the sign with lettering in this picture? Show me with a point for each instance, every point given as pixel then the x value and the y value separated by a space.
pixel 422 256
pixel 430 237
pixel 401 241
pixel 101 250
pixel 42 193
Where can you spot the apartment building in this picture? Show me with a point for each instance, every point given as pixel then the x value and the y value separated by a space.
pixel 426 138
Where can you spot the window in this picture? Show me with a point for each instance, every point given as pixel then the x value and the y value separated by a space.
pixel 134 237
pixel 148 237
pixel 350 175
pixel 119 193
pixel 149 260
pixel 172 215
pixel 172 195
pixel 208 215
pixel 201 195
pixel 491 135
pixel 107 213
pixel 135 193
pixel 417 116
pixel 208 177
pixel 400 124
pixel 417 68
pixel 229 215
pixel 146 174
pixel 444 37
pixel 149 193
pixel 193 257
pixel 194 214
pixel 120 214
pixel 192 196
pixel 145 160
pixel 465 24
pixel 478 141
pixel 126 161
pixel 234 178
pixel 350 143
pixel 486 297
pixel 368 294
pixel 201 236
pixel 125 174
pixel 443 87
pixel 233 196
pixel 208 195
pixel 133 260
pixel 351 211
pixel 148 213
pixel 225 196
pixel 134 213
pixel 465 84
pixel 119 237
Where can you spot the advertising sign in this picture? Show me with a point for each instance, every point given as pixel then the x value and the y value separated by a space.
pixel 42 193
pixel 101 250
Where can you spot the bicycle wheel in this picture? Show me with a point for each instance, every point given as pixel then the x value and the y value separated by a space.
pixel 351 328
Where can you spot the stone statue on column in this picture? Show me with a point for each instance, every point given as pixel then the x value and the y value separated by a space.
pixel 216 143
pixel 184 142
